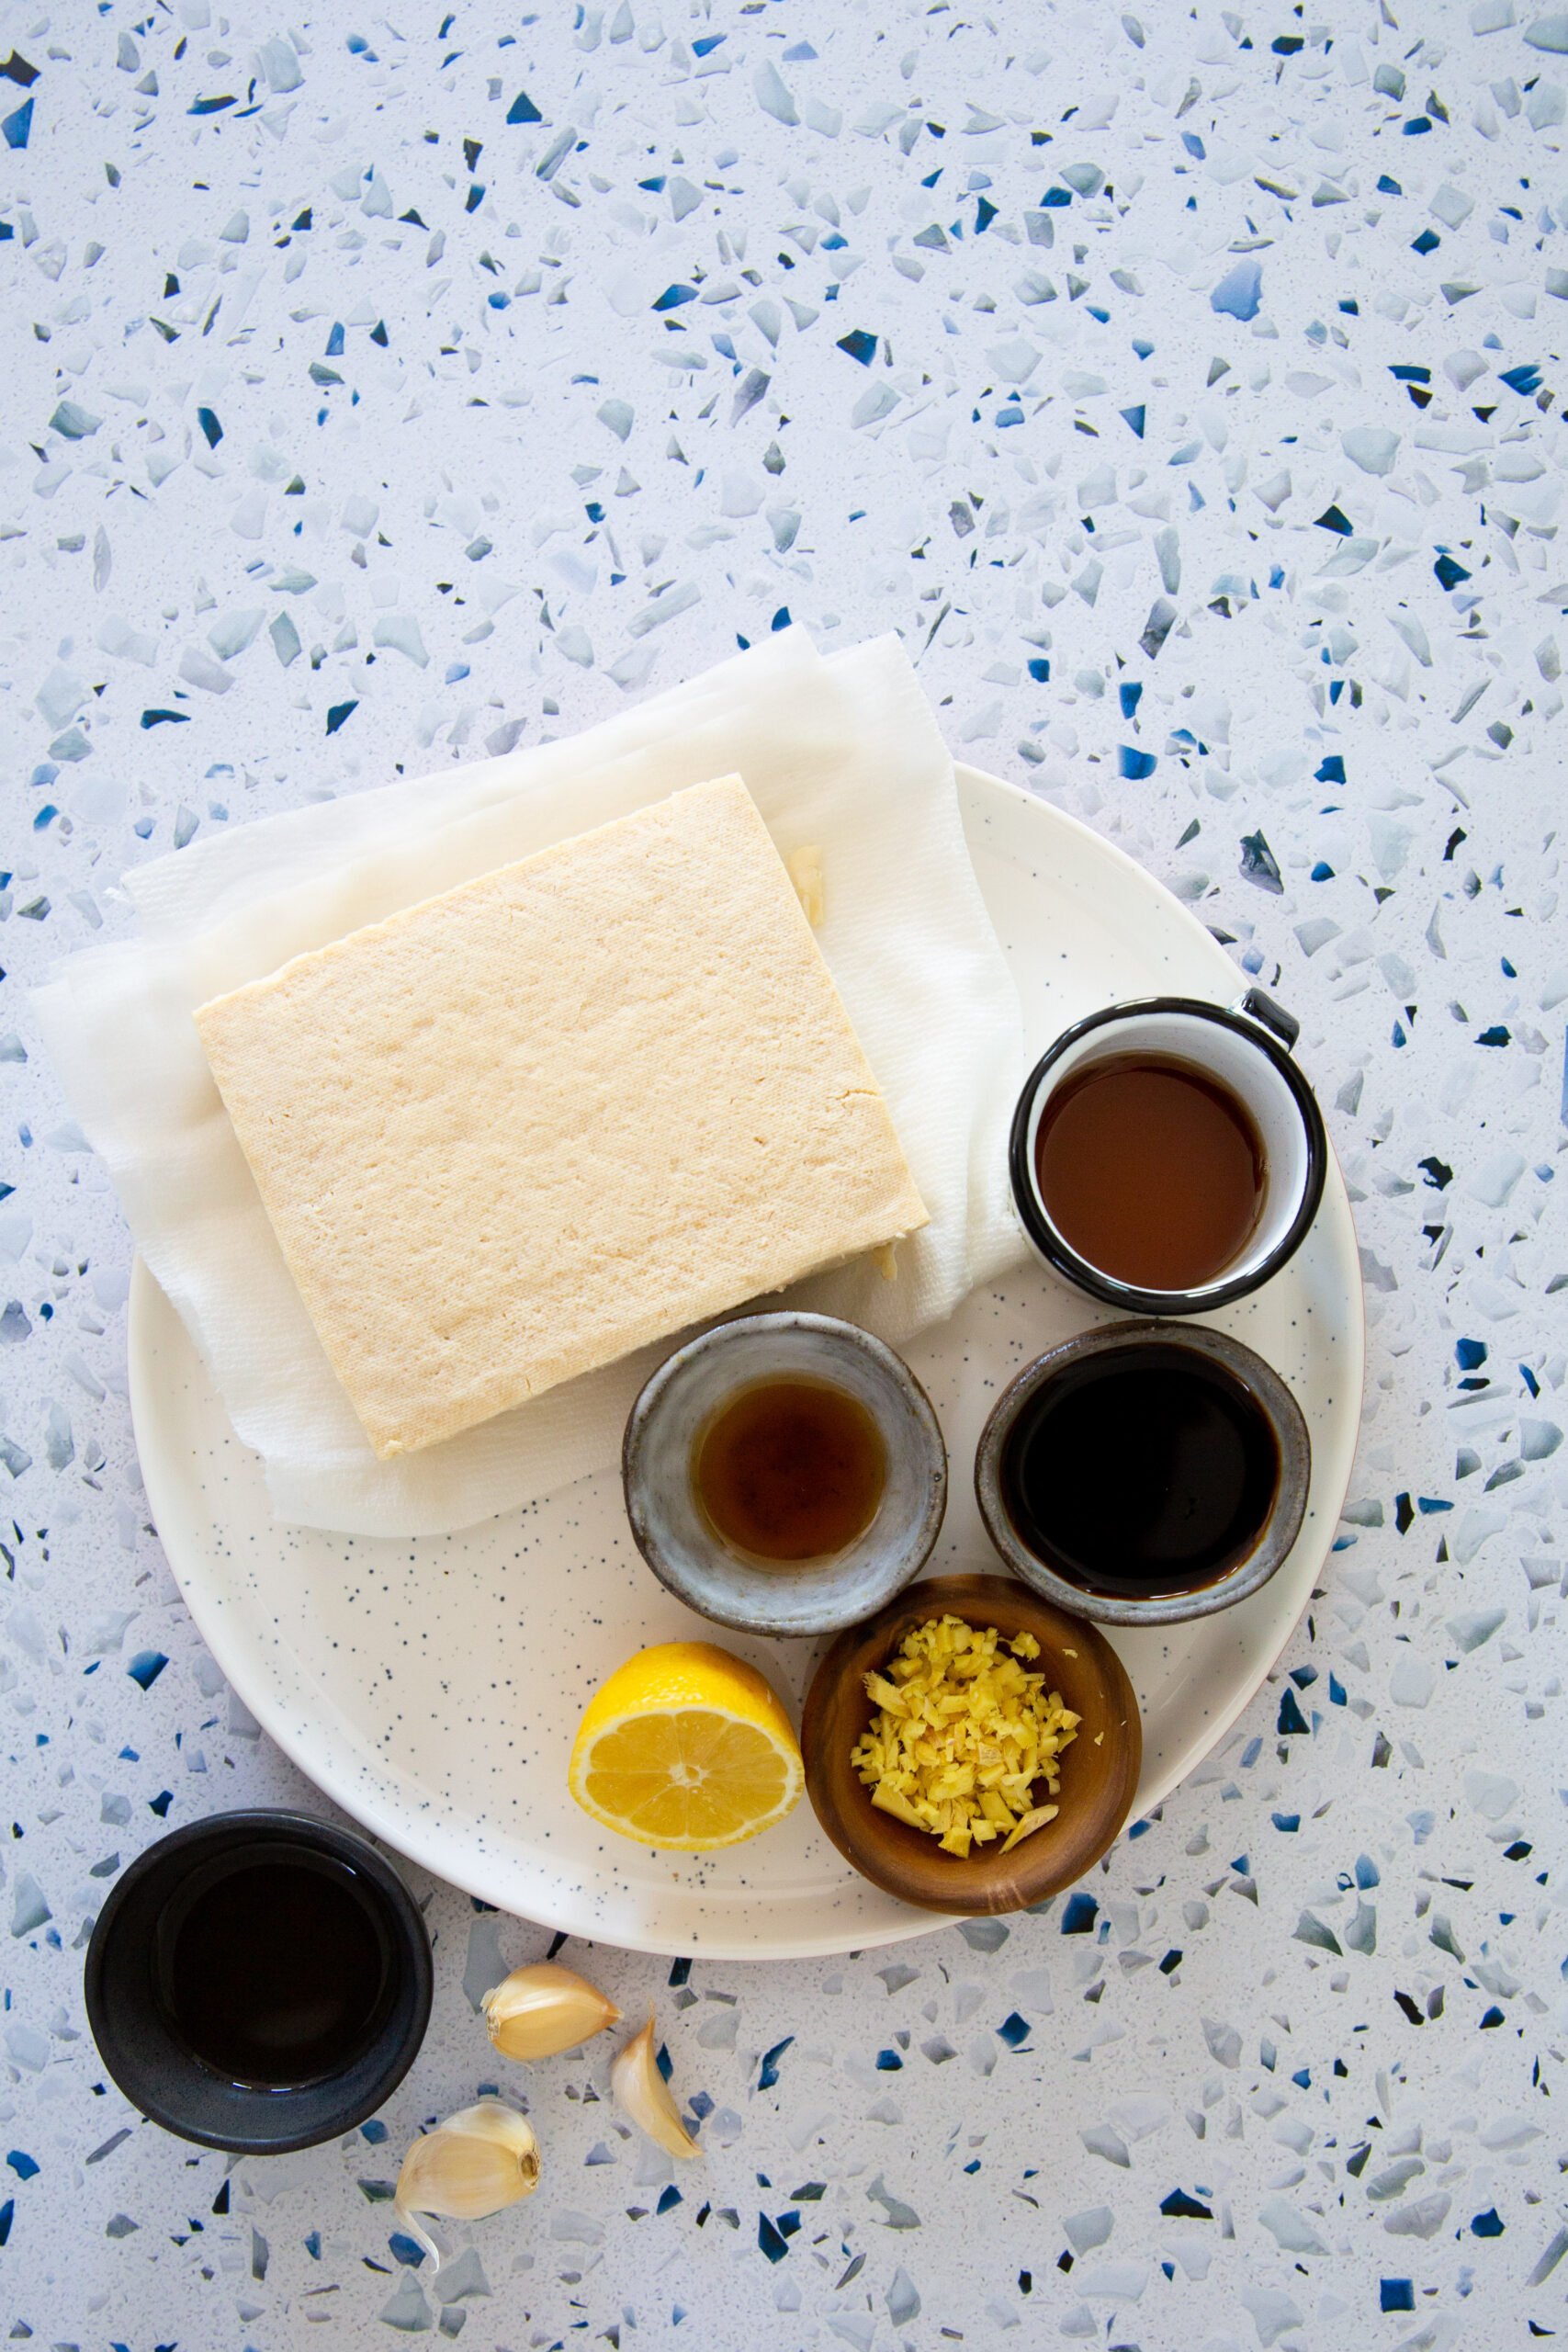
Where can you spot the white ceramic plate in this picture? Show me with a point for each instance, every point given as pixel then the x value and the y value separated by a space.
pixel 431 1686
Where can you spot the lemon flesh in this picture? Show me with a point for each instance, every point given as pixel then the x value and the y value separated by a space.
pixel 688 1748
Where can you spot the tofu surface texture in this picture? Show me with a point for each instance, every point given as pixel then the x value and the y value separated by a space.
pixel 513 1133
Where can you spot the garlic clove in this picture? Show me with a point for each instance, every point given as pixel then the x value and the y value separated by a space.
pixel 641 2089
pixel 539 2011
pixel 479 2161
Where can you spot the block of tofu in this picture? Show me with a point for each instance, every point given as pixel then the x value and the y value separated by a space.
pixel 513 1133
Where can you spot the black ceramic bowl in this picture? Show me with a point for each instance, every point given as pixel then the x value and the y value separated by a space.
pixel 139 1961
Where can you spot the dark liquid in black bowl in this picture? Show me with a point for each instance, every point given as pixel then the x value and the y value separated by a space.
pixel 1140 1474
pixel 272 1973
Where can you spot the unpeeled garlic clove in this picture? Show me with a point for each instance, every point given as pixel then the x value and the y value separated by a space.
pixel 642 2090
pixel 478 2160
pixel 539 2011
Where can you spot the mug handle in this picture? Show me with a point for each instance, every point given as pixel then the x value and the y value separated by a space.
pixel 1261 1008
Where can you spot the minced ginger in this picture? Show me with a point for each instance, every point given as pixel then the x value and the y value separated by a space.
pixel 963 1735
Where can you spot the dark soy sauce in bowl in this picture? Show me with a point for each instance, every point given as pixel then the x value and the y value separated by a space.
pixel 1151 1170
pixel 273 1968
pixel 1142 1472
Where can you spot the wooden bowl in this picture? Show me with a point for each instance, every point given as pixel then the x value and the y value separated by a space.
pixel 1098 1769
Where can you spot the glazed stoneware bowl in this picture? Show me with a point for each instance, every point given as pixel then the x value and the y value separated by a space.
pixel 673 1533
pixel 1098 1769
pixel 1252 1566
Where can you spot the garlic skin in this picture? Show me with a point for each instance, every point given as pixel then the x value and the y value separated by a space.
pixel 540 2010
pixel 642 2091
pixel 480 2160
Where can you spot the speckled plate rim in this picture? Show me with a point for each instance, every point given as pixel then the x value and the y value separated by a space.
pixel 985 802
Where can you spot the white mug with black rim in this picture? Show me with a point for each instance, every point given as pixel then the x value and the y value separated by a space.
pixel 1246 1048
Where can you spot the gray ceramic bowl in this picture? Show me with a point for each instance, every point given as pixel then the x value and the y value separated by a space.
pixel 671 1530
pixel 1248 1571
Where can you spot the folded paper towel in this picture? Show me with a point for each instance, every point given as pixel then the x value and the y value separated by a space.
pixel 840 753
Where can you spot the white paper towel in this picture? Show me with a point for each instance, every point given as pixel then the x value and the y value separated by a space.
pixel 841 751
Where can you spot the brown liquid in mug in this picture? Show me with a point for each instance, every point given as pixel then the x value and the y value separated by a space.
pixel 1150 1169
pixel 790 1470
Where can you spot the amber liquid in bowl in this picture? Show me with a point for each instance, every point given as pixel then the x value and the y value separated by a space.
pixel 790 1470
pixel 1151 1170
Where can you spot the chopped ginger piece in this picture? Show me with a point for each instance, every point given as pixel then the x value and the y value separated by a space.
pixel 963 1736
pixel 1035 1818
pixel 892 1800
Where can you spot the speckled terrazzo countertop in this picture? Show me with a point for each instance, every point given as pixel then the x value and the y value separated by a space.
pixel 1186 389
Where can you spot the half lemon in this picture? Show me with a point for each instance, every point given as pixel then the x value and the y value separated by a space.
pixel 688 1748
